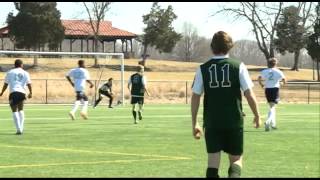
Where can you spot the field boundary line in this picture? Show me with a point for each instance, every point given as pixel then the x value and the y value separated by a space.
pixel 94 152
pixel 82 163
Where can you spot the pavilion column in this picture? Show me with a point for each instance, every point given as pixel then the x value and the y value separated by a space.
pixel 2 47
pixel 114 46
pixel 102 46
pixel 81 45
pixel 93 45
pixel 60 46
pixel 131 45
pixel 126 45
pixel 122 44
pixel 70 45
pixel 87 45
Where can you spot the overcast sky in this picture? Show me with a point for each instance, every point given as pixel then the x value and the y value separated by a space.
pixel 128 16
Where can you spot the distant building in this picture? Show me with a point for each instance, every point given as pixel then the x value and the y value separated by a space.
pixel 79 38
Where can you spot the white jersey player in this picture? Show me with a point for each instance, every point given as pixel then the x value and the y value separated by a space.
pixel 272 77
pixel 17 79
pixel 79 76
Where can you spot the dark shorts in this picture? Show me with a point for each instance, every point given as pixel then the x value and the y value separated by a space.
pixel 227 140
pixel 106 93
pixel 272 95
pixel 135 100
pixel 81 96
pixel 16 98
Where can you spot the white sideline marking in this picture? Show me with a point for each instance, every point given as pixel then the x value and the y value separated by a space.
pixel 93 152
pixel 79 163
pixel 148 116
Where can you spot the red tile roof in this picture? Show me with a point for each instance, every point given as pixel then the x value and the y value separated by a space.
pixel 83 28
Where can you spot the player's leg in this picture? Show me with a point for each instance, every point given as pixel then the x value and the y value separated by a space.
pixel 84 110
pixel 213 165
pixel 234 147
pixel 110 99
pixel 75 106
pixel 273 107
pixel 14 108
pixel 141 105
pixel 268 94
pixel 235 167
pixel 98 100
pixel 21 115
pixel 134 113
pixel 214 144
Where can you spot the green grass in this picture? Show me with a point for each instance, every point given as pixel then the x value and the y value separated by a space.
pixel 110 145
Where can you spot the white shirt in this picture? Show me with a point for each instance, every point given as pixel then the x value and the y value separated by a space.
pixel 244 77
pixel 272 77
pixel 17 79
pixel 79 76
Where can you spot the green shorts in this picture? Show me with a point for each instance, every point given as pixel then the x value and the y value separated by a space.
pixel 227 140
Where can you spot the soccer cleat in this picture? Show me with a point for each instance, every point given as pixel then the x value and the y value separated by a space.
pixel 274 128
pixel 110 107
pixel 266 127
pixel 71 114
pixel 18 133
pixel 136 121
pixel 140 116
pixel 84 115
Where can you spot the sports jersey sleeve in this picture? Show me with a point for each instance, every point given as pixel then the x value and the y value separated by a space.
pixel 6 80
pixel 282 75
pixel 87 75
pixel 28 78
pixel 197 86
pixel 144 80
pixel 129 81
pixel 244 77
pixel 70 73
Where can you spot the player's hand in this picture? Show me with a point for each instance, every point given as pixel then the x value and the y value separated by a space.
pixel 72 84
pixel 197 132
pixel 91 85
pixel 1 94
pixel 30 95
pixel 257 121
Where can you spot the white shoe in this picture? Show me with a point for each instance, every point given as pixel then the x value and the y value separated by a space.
pixel 84 115
pixel 71 114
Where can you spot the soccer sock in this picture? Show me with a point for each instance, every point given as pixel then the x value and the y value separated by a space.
pixel 134 113
pixel 85 107
pixel 273 119
pixel 110 101
pixel 212 173
pixel 16 120
pixel 269 116
pixel 75 106
pixel 21 118
pixel 140 115
pixel 234 171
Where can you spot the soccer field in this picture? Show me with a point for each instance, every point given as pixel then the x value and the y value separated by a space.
pixel 108 144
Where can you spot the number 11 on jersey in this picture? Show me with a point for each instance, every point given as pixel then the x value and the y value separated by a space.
pixel 214 79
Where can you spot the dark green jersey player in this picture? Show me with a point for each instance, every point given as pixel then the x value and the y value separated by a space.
pixel 221 79
pixel 106 90
pixel 138 84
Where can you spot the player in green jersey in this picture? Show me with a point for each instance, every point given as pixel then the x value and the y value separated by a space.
pixel 222 79
pixel 137 87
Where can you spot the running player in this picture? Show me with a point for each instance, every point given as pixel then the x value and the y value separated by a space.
pixel 17 79
pixel 80 76
pixel 272 76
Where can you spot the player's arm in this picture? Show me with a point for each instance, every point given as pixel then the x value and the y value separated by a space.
pixel 129 84
pixel 195 102
pixel 91 84
pixel 70 81
pixel 5 85
pixel 30 90
pixel 197 89
pixel 252 101
pixel 144 81
pixel 260 81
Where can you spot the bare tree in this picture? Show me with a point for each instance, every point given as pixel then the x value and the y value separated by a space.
pixel 305 13
pixel 188 42
pixel 96 12
pixel 263 17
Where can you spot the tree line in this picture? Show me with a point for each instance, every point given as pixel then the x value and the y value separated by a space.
pixel 280 29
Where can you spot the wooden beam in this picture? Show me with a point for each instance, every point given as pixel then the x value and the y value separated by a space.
pixel 102 46
pixel 87 45
pixel 131 45
pixel 70 45
pixel 126 45
pixel 114 46
pixel 81 45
